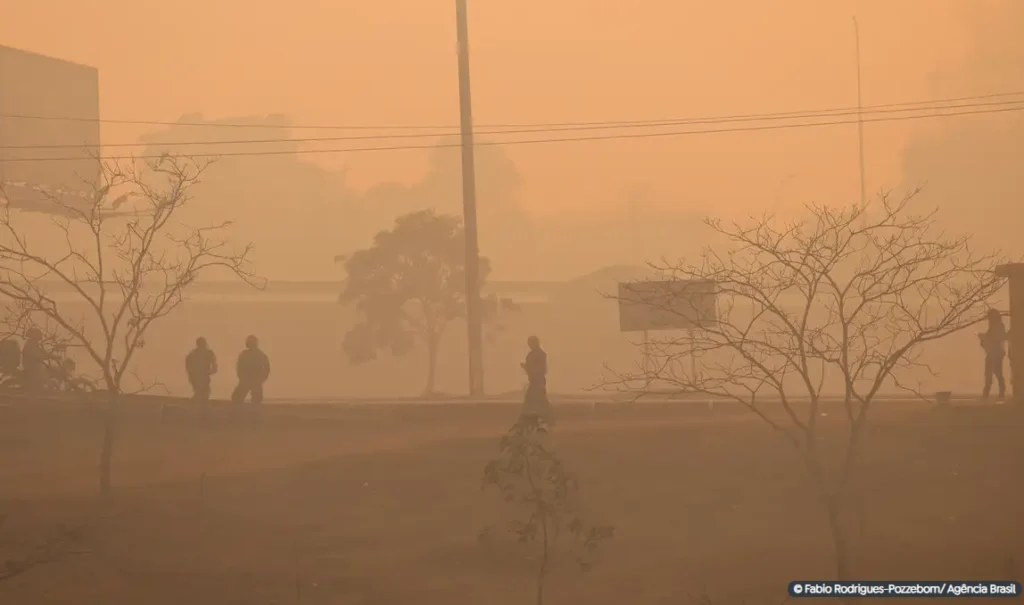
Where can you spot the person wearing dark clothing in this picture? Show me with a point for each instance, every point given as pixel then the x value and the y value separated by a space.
pixel 536 367
pixel 34 360
pixel 253 370
pixel 200 366
pixel 994 343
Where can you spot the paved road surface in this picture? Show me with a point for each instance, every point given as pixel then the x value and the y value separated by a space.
pixel 600 399
pixel 592 400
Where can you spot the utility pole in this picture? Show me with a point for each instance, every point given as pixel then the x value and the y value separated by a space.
pixel 474 329
pixel 860 118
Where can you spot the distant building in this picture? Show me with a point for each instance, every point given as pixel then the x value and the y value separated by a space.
pixel 36 85
pixel 601 286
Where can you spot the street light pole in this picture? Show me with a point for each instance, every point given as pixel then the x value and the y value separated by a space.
pixel 474 328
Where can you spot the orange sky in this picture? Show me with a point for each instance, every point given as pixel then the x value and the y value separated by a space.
pixel 393 62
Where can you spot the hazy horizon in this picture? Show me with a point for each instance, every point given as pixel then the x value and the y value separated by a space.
pixel 569 61
pixel 321 78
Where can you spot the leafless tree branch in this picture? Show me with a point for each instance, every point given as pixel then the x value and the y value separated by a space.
pixel 845 295
pixel 63 541
pixel 129 270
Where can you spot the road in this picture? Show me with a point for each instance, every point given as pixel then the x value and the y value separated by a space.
pixel 509 399
pixel 582 399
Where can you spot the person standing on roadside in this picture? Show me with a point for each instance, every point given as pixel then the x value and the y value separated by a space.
pixel 253 369
pixel 994 343
pixel 536 403
pixel 201 365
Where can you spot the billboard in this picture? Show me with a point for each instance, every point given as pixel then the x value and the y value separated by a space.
pixel 666 305
pixel 34 86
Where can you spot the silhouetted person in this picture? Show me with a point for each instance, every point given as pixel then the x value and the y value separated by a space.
pixel 994 343
pixel 34 360
pixel 536 401
pixel 253 370
pixel 201 365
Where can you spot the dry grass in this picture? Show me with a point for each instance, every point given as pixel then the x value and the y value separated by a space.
pixel 383 505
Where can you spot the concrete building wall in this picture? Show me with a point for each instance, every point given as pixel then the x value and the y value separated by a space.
pixel 36 85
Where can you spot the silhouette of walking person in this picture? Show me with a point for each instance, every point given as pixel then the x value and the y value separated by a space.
pixel 253 369
pixel 994 343
pixel 201 365
pixel 535 402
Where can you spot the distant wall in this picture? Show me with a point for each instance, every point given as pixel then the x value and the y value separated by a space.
pixel 36 85
pixel 304 342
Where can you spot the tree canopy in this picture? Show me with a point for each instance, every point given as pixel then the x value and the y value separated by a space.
pixel 407 287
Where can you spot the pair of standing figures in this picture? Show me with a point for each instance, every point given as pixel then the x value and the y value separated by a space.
pixel 252 368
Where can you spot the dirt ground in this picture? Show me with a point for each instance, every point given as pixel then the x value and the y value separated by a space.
pixel 382 505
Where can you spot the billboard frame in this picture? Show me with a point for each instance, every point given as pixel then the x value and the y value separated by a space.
pixel 663 305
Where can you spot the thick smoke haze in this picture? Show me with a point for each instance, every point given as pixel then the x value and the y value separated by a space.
pixel 747 294
pixel 544 62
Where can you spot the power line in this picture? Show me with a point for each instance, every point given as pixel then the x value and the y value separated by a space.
pixel 608 126
pixel 519 125
pixel 642 135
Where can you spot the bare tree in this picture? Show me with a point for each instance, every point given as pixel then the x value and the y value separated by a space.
pixel 855 293
pixel 128 269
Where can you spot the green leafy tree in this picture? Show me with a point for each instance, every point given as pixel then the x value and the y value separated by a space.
pixel 408 287
pixel 531 478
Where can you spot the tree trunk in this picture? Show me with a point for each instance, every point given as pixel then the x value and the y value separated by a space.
pixel 432 346
pixel 840 538
pixel 542 573
pixel 540 585
pixel 833 504
pixel 107 452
